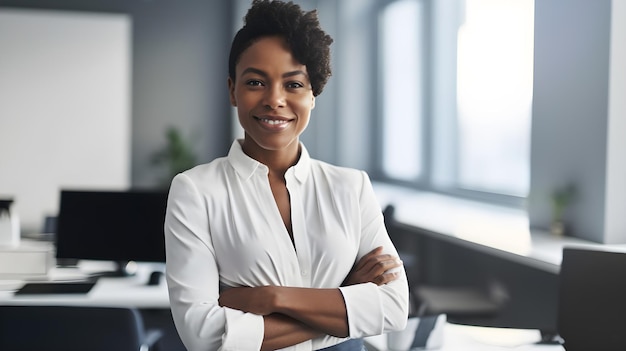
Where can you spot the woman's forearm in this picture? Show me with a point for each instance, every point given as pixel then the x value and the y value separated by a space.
pixel 320 309
pixel 282 331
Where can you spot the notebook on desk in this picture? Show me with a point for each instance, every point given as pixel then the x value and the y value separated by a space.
pixel 592 300
pixel 55 288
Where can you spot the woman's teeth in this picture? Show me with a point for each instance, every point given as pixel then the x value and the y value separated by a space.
pixel 272 121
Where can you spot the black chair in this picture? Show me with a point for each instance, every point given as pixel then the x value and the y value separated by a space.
pixel 69 328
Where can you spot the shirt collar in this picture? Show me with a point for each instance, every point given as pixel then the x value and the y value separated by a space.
pixel 246 166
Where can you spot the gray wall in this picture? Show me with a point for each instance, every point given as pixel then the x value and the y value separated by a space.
pixel 570 111
pixel 179 78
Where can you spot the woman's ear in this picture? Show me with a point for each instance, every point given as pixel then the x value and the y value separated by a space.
pixel 231 92
pixel 313 102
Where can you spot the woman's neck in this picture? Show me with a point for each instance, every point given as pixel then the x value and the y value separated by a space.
pixel 278 161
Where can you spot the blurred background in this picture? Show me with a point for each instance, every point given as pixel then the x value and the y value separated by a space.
pixel 505 102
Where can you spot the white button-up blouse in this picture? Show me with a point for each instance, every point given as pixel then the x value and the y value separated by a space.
pixel 223 229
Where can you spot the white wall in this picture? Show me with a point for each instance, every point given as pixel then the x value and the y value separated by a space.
pixel 615 218
pixel 64 107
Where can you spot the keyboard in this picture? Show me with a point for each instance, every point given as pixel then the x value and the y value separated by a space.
pixel 55 288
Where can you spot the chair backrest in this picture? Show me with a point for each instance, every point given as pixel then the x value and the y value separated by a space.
pixel 406 242
pixel 68 328
pixel 592 299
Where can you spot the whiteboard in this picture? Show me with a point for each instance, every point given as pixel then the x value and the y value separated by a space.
pixel 64 107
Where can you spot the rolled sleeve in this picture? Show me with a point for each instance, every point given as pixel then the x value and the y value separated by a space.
pixel 373 309
pixel 244 331
pixel 363 321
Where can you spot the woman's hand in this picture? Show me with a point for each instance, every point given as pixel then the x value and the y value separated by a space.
pixel 373 268
pixel 257 300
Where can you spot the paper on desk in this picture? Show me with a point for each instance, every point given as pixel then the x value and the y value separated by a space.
pixel 10 285
pixel 68 274
pixel 503 337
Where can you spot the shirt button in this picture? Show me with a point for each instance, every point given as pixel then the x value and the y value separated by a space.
pixel 304 273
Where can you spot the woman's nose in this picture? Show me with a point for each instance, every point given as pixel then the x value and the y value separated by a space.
pixel 274 97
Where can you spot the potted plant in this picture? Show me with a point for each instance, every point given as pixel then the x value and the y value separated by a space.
pixel 561 198
pixel 177 155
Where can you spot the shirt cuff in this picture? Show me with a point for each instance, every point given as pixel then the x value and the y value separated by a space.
pixel 364 309
pixel 243 331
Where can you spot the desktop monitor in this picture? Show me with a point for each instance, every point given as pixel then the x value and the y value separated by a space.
pixel 118 226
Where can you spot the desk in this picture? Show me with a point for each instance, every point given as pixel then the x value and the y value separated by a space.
pixel 108 292
pixel 151 300
pixel 470 338
pixel 133 292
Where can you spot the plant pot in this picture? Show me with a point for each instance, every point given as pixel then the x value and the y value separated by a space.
pixel 557 228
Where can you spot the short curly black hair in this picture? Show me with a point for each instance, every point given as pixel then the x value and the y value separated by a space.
pixel 309 44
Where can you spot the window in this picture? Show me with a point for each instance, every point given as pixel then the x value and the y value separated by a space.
pixel 456 95
pixel 402 81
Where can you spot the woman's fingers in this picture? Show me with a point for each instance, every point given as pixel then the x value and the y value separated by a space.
pixel 374 267
pixel 363 261
pixel 379 264
pixel 385 278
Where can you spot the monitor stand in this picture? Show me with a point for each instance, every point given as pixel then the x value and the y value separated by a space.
pixel 123 269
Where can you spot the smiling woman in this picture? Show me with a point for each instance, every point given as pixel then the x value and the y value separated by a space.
pixel 273 96
pixel 268 248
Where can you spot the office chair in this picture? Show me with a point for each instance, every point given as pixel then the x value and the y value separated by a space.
pixel 69 328
pixel 461 304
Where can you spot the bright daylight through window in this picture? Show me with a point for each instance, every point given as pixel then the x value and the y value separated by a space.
pixel 494 95
pixel 402 81
pixel 491 95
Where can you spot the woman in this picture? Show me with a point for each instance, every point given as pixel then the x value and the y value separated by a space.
pixel 267 248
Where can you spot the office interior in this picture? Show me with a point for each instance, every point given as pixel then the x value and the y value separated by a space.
pixel 171 72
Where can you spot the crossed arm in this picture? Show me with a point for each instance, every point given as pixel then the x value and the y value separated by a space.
pixel 293 315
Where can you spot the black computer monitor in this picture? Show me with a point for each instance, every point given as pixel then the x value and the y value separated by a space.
pixel 118 226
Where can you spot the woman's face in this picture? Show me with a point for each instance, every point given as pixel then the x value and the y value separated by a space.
pixel 273 96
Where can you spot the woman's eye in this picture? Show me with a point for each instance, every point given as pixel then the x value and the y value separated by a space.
pixel 254 83
pixel 294 85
